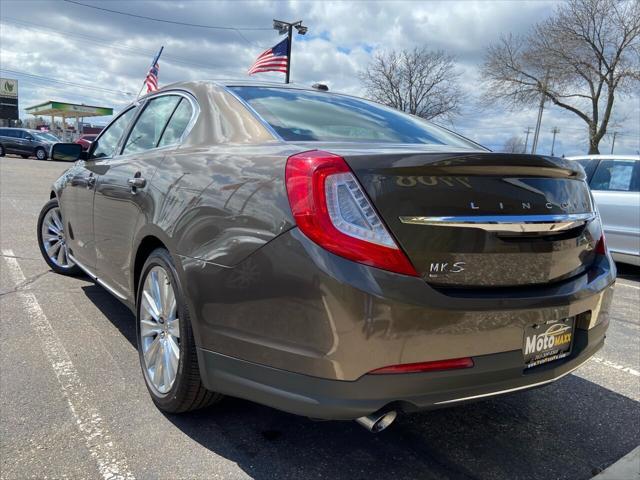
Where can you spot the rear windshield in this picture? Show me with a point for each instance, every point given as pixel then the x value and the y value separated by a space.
pixel 301 115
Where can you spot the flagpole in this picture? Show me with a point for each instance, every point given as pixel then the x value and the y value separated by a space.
pixel 155 60
pixel 287 27
pixel 290 37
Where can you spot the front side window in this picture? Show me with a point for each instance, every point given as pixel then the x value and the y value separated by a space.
pixel 110 138
pixel 301 115
pixel 147 131
pixel 617 175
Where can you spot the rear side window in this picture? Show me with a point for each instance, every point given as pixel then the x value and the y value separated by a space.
pixel 147 131
pixel 300 115
pixel 617 175
pixel 177 124
pixel 589 166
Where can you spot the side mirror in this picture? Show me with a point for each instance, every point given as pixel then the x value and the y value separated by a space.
pixel 66 152
pixel 29 138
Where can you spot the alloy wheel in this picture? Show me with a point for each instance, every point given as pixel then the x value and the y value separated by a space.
pixel 40 154
pixel 54 240
pixel 159 329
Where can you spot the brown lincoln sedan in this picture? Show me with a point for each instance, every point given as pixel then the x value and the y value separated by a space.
pixel 329 256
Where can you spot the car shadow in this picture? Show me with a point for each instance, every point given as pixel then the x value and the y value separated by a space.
pixel 628 272
pixel 571 429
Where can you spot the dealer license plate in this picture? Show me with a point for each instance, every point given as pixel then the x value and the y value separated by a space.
pixel 547 342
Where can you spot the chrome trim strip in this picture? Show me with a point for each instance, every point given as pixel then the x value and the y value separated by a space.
pixel 507 223
pixel 93 276
pixel 509 390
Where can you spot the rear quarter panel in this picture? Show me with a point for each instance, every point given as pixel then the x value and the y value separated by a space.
pixel 221 203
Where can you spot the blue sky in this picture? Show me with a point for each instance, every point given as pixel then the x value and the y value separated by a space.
pixel 79 45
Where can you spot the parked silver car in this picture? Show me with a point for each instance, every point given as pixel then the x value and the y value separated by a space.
pixel 615 183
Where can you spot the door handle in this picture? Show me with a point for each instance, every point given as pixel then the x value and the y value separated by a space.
pixel 137 182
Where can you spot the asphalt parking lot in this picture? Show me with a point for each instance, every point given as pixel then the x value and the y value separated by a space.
pixel 73 403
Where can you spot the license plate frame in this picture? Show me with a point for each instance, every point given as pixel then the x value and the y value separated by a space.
pixel 547 342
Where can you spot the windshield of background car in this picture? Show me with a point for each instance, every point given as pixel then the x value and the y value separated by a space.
pixel 47 136
pixel 301 115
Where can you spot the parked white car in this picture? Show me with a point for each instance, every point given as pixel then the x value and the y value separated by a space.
pixel 615 183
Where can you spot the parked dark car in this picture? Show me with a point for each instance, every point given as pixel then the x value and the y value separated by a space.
pixel 26 143
pixel 85 141
pixel 328 256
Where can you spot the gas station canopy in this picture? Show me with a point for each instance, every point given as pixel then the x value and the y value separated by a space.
pixel 68 110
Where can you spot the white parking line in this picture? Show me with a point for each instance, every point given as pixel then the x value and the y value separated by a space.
pixel 616 366
pixel 627 285
pixel 111 462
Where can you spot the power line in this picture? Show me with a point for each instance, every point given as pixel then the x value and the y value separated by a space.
pixel 47 79
pixel 162 20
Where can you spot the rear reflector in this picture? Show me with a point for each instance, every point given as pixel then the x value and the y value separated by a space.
pixel 331 208
pixel 601 247
pixel 452 364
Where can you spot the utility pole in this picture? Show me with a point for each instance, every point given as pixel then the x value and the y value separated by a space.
pixel 526 139
pixel 540 110
pixel 613 142
pixel 555 131
pixel 287 27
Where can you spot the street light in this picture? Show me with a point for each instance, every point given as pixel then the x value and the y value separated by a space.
pixel 287 27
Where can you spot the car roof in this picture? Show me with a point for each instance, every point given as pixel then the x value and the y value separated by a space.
pixel 192 85
pixel 604 157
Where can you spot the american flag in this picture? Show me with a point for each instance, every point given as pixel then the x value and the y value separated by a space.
pixel 152 78
pixel 274 59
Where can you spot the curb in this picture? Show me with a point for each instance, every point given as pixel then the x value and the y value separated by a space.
pixel 627 468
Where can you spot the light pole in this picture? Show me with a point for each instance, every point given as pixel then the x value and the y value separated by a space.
pixel 287 27
pixel 555 131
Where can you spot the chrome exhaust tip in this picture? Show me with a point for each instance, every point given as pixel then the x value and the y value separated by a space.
pixel 378 421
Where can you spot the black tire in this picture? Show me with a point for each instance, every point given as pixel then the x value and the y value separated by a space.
pixel 72 270
pixel 187 392
pixel 2 152
pixel 41 153
pixel 24 156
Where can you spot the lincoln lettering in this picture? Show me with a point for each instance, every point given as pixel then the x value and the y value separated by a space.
pixel 565 206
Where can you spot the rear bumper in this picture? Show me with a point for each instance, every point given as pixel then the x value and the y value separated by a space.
pixel 495 374
pixel 298 328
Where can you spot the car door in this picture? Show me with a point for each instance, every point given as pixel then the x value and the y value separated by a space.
pixel 123 201
pixel 14 141
pixel 76 198
pixel 616 189
pixel 27 142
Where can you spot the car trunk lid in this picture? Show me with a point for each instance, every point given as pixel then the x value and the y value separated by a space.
pixel 481 219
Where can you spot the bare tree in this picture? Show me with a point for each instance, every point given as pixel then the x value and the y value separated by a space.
pixel 579 59
pixel 418 81
pixel 514 144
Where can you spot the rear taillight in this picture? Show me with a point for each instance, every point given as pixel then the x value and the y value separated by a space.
pixel 601 246
pixel 332 209
pixel 451 364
